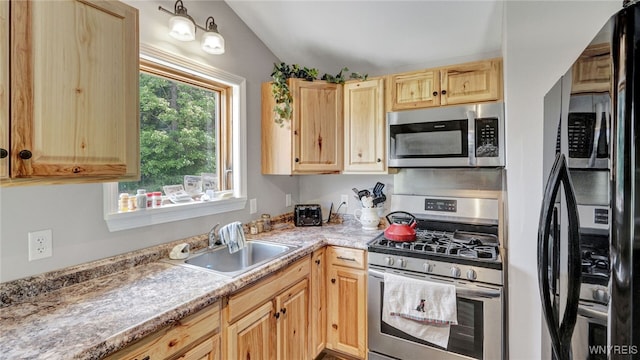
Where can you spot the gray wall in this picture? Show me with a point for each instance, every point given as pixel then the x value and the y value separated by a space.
pixel 74 212
pixel 541 41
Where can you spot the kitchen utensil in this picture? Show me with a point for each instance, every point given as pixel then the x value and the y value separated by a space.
pixel 330 210
pixel 363 193
pixel 400 231
pixel 379 199
pixel 377 189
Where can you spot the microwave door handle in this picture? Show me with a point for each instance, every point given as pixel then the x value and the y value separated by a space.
pixel 471 116
pixel 596 135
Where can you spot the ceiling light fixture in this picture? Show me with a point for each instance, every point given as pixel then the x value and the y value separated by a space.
pixel 182 27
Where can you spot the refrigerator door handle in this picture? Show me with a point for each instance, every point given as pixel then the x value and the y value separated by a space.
pixel 560 335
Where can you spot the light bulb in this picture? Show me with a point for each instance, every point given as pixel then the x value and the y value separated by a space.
pixel 182 28
pixel 212 43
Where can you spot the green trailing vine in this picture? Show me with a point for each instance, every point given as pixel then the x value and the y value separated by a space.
pixel 280 88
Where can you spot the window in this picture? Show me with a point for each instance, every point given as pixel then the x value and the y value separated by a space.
pixel 191 124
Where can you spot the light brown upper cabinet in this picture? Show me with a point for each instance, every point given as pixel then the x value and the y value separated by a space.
pixel 74 91
pixel 4 89
pixel 472 82
pixel 312 142
pixel 364 127
pixel 592 72
pixel 413 90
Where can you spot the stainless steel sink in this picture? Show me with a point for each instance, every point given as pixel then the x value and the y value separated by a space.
pixel 254 254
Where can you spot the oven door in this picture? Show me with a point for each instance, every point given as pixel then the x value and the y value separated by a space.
pixel 589 341
pixel 478 335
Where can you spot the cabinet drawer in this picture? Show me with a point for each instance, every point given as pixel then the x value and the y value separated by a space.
pixel 348 257
pixel 174 339
pixel 246 300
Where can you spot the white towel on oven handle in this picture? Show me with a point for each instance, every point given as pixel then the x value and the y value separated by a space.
pixel 421 308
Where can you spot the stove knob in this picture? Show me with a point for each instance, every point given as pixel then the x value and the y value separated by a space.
pixel 471 274
pixel 601 295
pixel 455 271
pixel 427 267
pixel 402 262
pixel 388 260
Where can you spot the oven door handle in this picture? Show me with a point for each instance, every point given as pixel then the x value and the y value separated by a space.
pixel 595 314
pixel 460 291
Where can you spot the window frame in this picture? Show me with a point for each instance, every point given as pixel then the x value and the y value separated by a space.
pixel 232 156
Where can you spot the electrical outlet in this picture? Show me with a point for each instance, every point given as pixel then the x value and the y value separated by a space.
pixel 253 206
pixel 287 200
pixel 40 244
pixel 344 199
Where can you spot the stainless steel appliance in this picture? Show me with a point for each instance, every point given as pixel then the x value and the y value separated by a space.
pixel 456 243
pixel 588 247
pixel 588 131
pixel 453 136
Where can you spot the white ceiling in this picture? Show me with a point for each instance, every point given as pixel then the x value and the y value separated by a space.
pixel 375 37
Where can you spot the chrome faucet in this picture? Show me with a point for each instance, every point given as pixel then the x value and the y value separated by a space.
pixel 213 236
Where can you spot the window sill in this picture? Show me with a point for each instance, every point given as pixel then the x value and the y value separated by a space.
pixel 173 212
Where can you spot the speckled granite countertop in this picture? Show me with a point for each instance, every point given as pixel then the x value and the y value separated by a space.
pixel 92 310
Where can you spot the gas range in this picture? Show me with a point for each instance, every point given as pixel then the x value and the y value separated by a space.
pixel 448 243
pixel 594 249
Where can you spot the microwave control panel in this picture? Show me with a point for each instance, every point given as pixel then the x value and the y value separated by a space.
pixel 487 137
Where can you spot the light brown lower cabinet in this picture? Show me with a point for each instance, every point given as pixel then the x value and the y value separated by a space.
pixel 346 301
pixel 270 320
pixel 207 350
pixel 318 303
pixel 194 337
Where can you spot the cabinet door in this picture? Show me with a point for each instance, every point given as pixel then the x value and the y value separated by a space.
pixel 414 90
pixel 471 82
pixel 592 72
pixel 346 311
pixel 364 126
pixel 317 126
pixel 74 93
pixel 207 350
pixel 292 323
pixel 252 336
pixel 4 89
pixel 318 313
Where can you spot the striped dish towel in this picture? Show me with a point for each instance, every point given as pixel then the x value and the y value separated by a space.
pixel 233 236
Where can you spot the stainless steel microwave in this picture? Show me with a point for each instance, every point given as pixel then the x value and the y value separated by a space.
pixel 455 136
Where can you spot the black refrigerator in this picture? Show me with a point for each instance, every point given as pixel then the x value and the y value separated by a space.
pixel 588 237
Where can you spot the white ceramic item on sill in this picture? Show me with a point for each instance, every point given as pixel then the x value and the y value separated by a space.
pixel 368 217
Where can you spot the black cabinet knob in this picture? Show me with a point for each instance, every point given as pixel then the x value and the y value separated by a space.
pixel 277 315
pixel 333 281
pixel 296 160
pixel 3 153
pixel 318 261
pixel 435 93
pixel 25 154
pixel 283 311
pixel 379 160
pixel 444 92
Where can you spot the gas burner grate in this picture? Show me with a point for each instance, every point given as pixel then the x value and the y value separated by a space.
pixel 441 242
